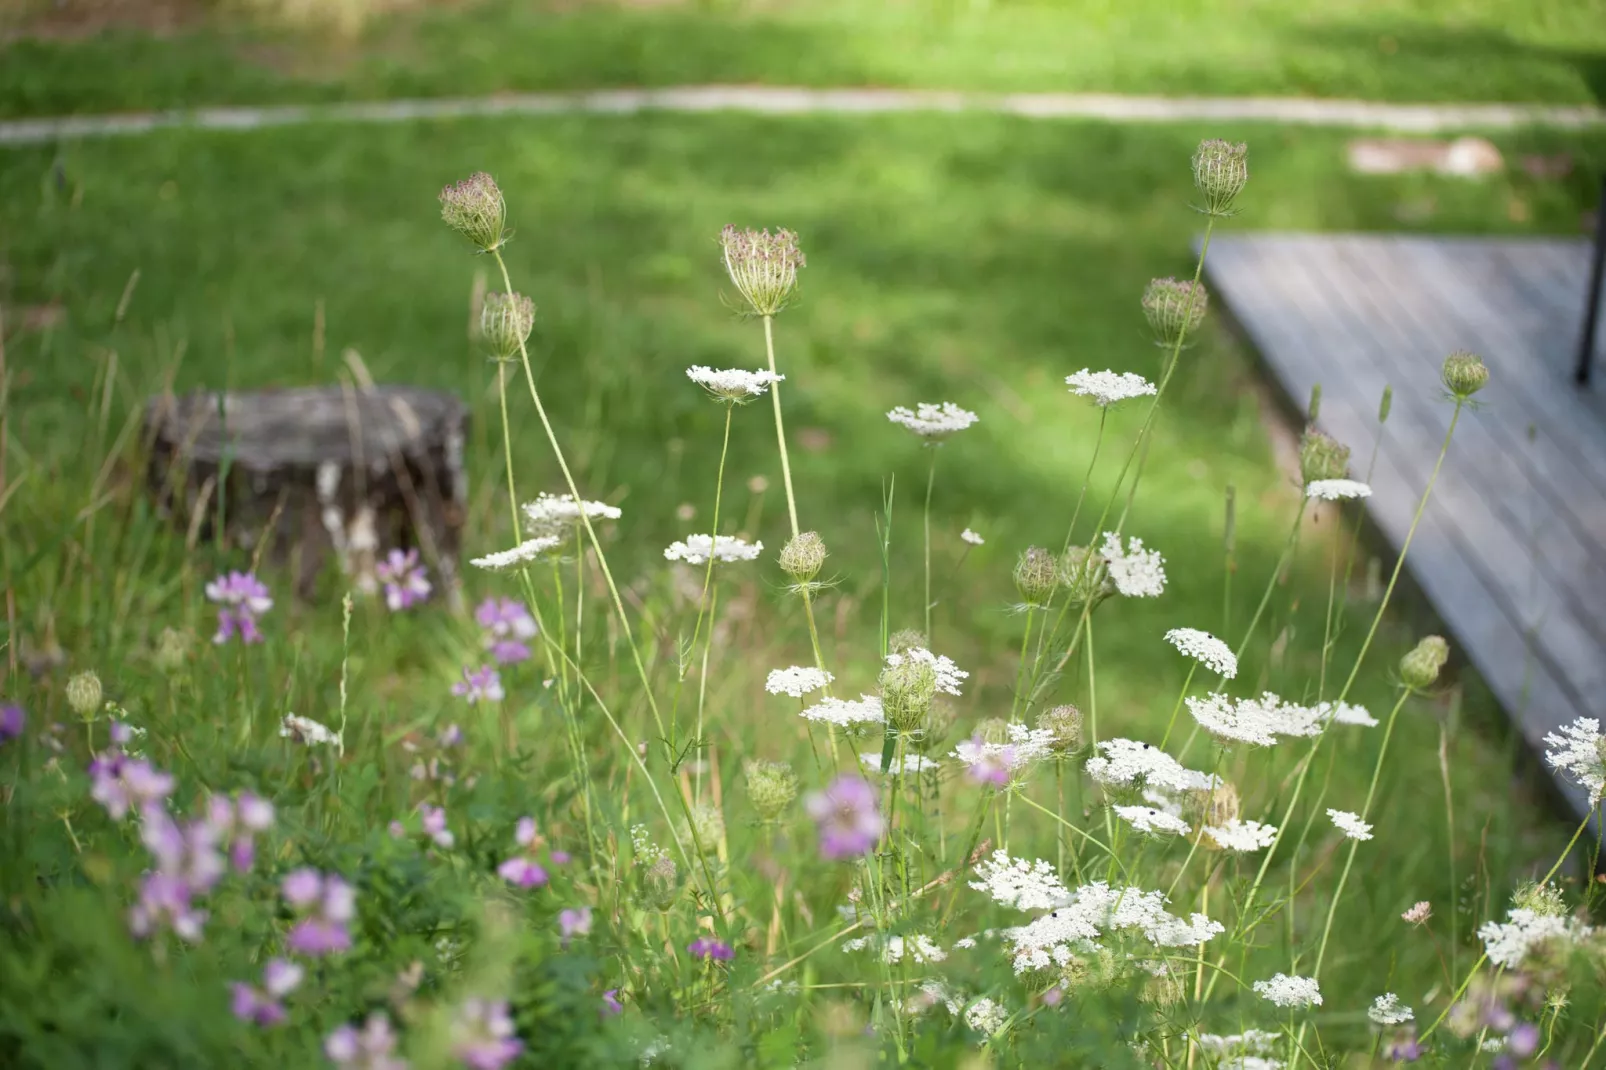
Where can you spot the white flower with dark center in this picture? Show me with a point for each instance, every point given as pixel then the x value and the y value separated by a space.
pixel 732 384
pixel 908 765
pixel 933 421
pixel 1350 824
pixel 1152 820
pixel 1253 721
pixel 307 731
pixel 1130 763
pixel 842 712
pixel 1388 1010
pixel 522 554
pixel 1206 649
pixel 971 537
pixel 1108 387
pixel 985 1016
pixel 552 514
pixel 1332 490
pixel 1287 991
pixel 1017 883
pixel 1510 942
pixel 1136 572
pixel 1242 836
pixel 949 675
pixel 797 681
pixel 1577 751
pixel 727 548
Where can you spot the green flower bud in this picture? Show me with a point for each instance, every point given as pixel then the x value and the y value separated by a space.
pixel 84 695
pixel 1174 309
pixel 1036 576
pixel 475 209
pixel 1085 576
pixel 907 691
pixel 1065 722
pixel 505 323
pixel 707 823
pixel 771 787
pixel 1220 171
pixel 1464 374
pixel 803 556
pixel 1322 457
pixel 1162 990
pixel 763 266
pixel 172 651
pixel 1420 668
pixel 905 639
pixel 661 884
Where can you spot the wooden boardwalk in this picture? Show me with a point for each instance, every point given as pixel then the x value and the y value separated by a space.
pixel 1512 549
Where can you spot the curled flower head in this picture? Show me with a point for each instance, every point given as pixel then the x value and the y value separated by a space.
pixel 1220 172
pixel 1420 668
pixel 1322 458
pixel 771 786
pixel 83 694
pixel 506 321
pixel 1464 374
pixel 762 266
pixel 1174 309
pixel 803 556
pixel 1036 576
pixel 475 209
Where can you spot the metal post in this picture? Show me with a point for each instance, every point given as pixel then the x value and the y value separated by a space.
pixel 1597 266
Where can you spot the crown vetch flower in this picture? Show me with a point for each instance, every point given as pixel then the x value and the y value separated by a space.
pixel 574 921
pixel 12 722
pixel 933 421
pixel 1290 991
pixel 370 1048
pixel 241 599
pixel 846 816
pixel 120 784
pixel 762 266
pixel 482 1035
pixel 482 684
pixel 506 321
pixel 263 1006
pixel 406 581
pixel 507 626
pixel 475 209
pixel 325 906
pixel 1136 572
pixel 732 385
pixel 522 869
pixel 708 948
pixel 695 550
pixel 1205 649
pixel 1108 388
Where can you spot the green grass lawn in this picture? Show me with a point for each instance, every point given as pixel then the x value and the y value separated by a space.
pixel 978 260
pixel 1440 50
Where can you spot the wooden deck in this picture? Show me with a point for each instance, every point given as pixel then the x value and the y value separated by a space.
pixel 1512 549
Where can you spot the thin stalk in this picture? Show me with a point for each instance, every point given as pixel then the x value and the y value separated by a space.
pixel 1271 582
pixel 704 609
pixel 931 478
pixel 780 429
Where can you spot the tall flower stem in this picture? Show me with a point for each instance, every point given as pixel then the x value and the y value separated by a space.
pixel 780 428
pixel 931 478
pixel 1271 581
pixel 704 611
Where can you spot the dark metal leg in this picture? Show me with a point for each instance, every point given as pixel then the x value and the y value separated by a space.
pixel 1597 266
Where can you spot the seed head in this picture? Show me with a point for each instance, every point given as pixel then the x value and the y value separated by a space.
pixel 505 323
pixel 172 650
pixel 1065 723
pixel 1162 990
pixel 763 266
pixel 1214 808
pixel 475 209
pixel 1174 309
pixel 1464 374
pixel 939 725
pixel 84 694
pixel 1086 576
pixel 803 556
pixel 1036 575
pixel 661 884
pixel 771 786
pixel 1220 170
pixel 1420 668
pixel 1322 457
pixel 907 691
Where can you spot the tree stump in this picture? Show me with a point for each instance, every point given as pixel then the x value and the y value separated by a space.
pixel 320 472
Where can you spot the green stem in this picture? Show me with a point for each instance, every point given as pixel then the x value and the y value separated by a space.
pixel 780 429
pixel 931 478
pixel 1271 581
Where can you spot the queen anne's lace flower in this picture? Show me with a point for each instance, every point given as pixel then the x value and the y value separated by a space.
pixel 1022 747
pixel 1106 388
pixel 1055 938
pixel 1508 943
pixel 1577 751
pixel 727 548
pixel 840 711
pixel 797 681
pixel 933 421
pixel 1287 991
pixel 525 552
pixel 1136 572
pixel 949 675
pixel 1243 836
pixel 971 537
pixel 1150 819
pixel 1124 763
pixel 732 384
pixel 1253 721
pixel 1249 1042
pixel 1345 713
pixel 552 514
pixel 1017 883
pixel 1206 649
pixel 1332 490
pixel 307 731
pixel 919 948
pixel 1388 1010
pixel 1350 824
pixel 985 1016
pixel 908 765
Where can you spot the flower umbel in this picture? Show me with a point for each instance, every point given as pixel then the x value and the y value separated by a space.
pixel 933 422
pixel 506 321
pixel 762 266
pixel 732 385
pixel 1174 309
pixel 1220 171
pixel 1108 388
pixel 475 209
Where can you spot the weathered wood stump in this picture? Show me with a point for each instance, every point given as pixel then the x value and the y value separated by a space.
pixel 348 472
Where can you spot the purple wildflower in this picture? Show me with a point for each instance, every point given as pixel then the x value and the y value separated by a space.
pixel 611 1004
pixel 435 825
pixel 406 581
pixel 12 720
pixel 121 784
pixel 1523 1040
pixel 575 921
pixel 241 598
pixel 370 1048
pixel 479 685
pixel 706 947
pixel 507 626
pixel 522 871
pixel 326 905
pixel 263 1006
pixel 482 1035
pixel 849 824
pixel 1404 1048
pixel 165 901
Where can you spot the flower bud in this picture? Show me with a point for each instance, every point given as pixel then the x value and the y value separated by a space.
pixel 803 556
pixel 172 650
pixel 1036 575
pixel 475 209
pixel 1174 309
pixel 907 691
pixel 904 640
pixel 1315 408
pixel 993 730
pixel 1322 457
pixel 661 884
pixel 1464 374
pixel 705 826
pixel 1220 171
pixel 84 694
pixel 1420 668
pixel 763 266
pixel 1162 990
pixel 1085 576
pixel 1065 723
pixel 771 787
pixel 1385 404
pixel 505 323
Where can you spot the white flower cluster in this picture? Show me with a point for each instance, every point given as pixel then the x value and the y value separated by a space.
pixel 642 848
pixel 1106 388
pixel 695 549
pixel 1023 885
pixel 1350 824
pixel 1576 750
pixel 1388 1010
pixel 1508 943
pixel 1136 572
pixel 1242 836
pixel 732 384
pixel 1206 649
pixel 949 675
pixel 985 1016
pixel 1249 1042
pixel 1022 747
pixel 552 514
pixel 796 681
pixel 1289 991
pixel 920 948
pixel 1152 820
pixel 933 421
pixel 1332 490
pixel 843 712
pixel 525 552
pixel 1093 909
pixel 1345 713
pixel 908 765
pixel 929 994
pixel 971 537
pixel 1254 721
pixel 1126 763
pixel 307 731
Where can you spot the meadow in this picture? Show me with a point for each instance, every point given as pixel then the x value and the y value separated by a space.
pixel 669 902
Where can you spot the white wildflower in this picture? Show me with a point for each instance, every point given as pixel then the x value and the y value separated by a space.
pixel 727 548
pixel 919 947
pixel 1130 763
pixel 1508 943
pixel 971 537
pixel 1206 649
pixel 1577 751
pixel 525 552
pixel 985 1016
pixel 1350 824
pixel 1345 713
pixel 732 384
pixel 1254 721
pixel 1149 819
pixel 933 421
pixel 796 681
pixel 929 995
pixel 1286 991
pixel 1107 387
pixel 307 731
pixel 1136 572
pixel 840 711
pixel 1168 931
pixel 552 514
pixel 964 943
pixel 1243 836
pixel 1055 938
pixel 949 675
pixel 908 765
pixel 1332 490
pixel 1249 1042
pixel 1017 883
pixel 1388 1010
pixel 1021 747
